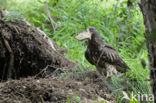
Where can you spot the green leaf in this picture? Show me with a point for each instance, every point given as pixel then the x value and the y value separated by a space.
pixel 103 101
pixel 37 21
pixel 68 100
pixel 77 98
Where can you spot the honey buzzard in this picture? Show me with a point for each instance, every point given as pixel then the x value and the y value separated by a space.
pixel 106 59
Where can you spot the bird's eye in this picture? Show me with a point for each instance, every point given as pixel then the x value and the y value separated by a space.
pixel 91 29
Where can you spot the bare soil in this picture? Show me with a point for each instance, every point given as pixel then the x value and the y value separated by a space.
pixel 55 90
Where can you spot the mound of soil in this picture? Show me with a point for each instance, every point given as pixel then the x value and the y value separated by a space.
pixel 26 51
pixel 54 90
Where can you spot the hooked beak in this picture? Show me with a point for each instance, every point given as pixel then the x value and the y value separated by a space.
pixel 83 36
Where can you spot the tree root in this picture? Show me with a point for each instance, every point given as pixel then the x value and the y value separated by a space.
pixel 11 62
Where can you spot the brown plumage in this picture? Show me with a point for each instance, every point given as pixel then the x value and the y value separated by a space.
pixel 102 55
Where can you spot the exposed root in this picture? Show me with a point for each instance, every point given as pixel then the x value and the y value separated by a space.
pixel 11 62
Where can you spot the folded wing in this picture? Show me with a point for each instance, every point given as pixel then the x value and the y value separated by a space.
pixel 109 55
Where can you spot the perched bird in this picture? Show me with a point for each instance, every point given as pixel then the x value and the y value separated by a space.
pixel 102 55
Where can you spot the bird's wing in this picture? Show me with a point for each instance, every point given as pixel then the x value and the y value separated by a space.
pixel 88 56
pixel 108 54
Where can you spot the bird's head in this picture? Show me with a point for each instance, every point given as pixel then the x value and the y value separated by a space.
pixel 87 35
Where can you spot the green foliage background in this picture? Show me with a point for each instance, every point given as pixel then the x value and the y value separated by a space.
pixel 119 25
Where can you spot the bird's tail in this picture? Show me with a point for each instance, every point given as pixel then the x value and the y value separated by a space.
pixel 123 68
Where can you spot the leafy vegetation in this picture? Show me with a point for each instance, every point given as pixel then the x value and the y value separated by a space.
pixel 119 25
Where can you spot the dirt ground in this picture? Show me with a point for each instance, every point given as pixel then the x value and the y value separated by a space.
pixel 55 90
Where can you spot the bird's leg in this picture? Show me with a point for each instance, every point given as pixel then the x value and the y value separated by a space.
pixel 110 71
pixel 104 80
pixel 108 75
